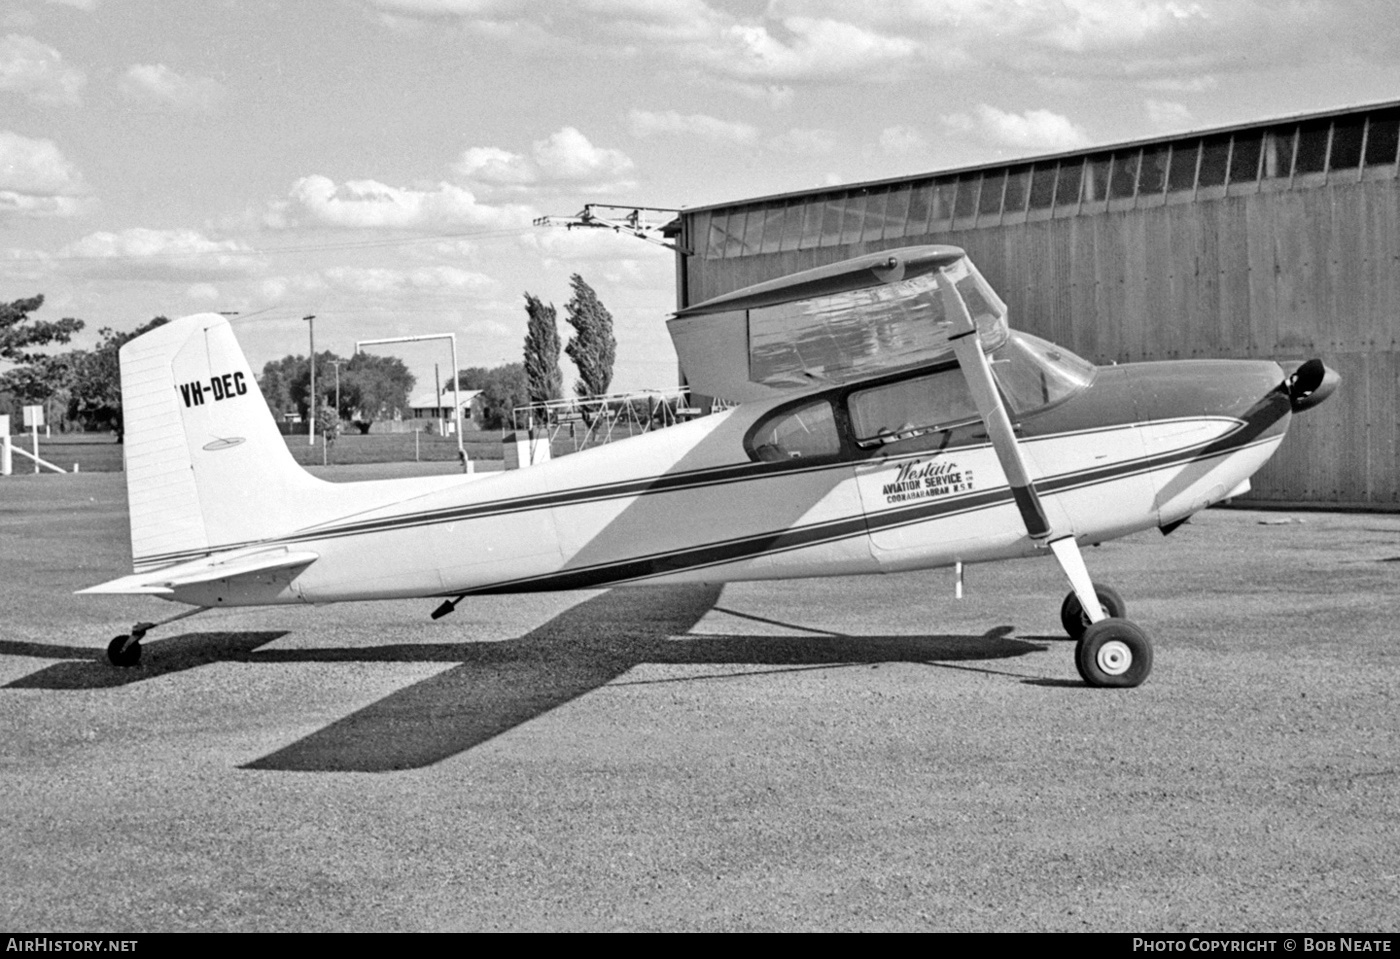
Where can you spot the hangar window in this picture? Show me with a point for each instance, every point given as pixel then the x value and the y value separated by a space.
pixel 1152 172
pixel 1278 153
pixel 806 432
pixel 1382 136
pixel 1067 184
pixel 733 232
pixel 773 219
pixel 1244 158
pixel 1181 175
pixel 875 205
pixel 812 211
pixel 897 213
pixel 753 230
pixel 1122 183
pixel 1043 186
pixel 793 218
pixel 966 203
pixel 989 204
pixel 920 201
pixel 1346 144
pixel 852 218
pixel 1312 148
pixel 1215 157
pixel 1017 183
pixel 901 411
pixel 944 196
pixel 831 221
pixel 1096 178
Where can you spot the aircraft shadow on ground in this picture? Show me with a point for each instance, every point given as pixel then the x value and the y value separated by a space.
pixel 496 686
pixel 87 668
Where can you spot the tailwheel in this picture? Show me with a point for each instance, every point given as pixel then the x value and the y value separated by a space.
pixel 1114 653
pixel 1076 621
pixel 124 651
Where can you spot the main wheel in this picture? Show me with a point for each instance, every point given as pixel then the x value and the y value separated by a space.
pixel 123 657
pixel 1075 620
pixel 1114 653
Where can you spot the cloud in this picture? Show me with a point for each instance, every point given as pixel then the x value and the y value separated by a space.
pixel 157 83
pixel 902 140
pixel 36 179
pixel 87 5
pixel 759 54
pixel 144 254
pixel 1035 131
pixel 802 142
pixel 1168 117
pixel 37 71
pixel 645 124
pixel 368 204
pixel 378 281
pixel 564 157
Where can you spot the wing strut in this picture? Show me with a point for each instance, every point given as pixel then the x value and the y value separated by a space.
pixel 967 347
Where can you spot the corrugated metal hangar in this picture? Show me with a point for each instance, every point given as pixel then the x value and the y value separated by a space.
pixel 1278 239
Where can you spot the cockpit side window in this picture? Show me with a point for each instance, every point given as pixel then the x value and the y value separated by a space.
pixel 899 411
pixel 804 432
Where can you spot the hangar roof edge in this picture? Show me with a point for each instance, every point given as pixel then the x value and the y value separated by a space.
pixel 1042 157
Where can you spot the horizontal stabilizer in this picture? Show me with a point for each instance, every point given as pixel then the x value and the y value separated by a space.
pixel 164 582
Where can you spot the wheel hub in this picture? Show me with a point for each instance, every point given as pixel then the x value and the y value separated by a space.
pixel 1114 657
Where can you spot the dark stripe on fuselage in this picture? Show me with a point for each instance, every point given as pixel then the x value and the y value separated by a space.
pixel 1260 419
pixel 771 543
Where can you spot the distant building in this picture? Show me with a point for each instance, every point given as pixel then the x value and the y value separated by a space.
pixel 1277 239
pixel 428 406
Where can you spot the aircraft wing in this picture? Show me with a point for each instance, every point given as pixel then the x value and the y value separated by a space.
pixel 164 582
pixel 834 324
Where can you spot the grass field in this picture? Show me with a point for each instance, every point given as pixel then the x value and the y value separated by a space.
pixel 100 452
pixel 841 754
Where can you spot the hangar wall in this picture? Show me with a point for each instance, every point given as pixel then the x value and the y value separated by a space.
pixel 1278 240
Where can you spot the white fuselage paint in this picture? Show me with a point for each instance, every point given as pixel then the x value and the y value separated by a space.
pixel 687 504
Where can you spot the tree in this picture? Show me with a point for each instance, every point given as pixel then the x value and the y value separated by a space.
pixel 94 380
pixel 505 389
pixel 543 380
pixel 592 347
pixel 276 384
pixel 373 387
pixel 18 332
pixel 38 376
pixel 473 378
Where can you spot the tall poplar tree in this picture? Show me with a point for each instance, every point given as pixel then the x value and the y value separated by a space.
pixel 545 382
pixel 592 347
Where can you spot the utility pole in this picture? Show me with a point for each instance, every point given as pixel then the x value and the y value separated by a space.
pixel 311 407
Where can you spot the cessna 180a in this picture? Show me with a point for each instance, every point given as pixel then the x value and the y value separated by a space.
pixel 887 419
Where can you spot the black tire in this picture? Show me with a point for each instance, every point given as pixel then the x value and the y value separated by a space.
pixel 124 659
pixel 1114 653
pixel 1073 618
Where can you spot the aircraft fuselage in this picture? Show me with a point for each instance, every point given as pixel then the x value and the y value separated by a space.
pixel 1141 446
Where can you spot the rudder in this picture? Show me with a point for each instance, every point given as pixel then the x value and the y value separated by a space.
pixel 206 466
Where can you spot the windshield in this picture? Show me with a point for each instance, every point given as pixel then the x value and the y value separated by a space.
pixel 1033 373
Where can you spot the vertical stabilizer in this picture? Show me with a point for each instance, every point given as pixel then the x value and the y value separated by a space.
pixel 206 466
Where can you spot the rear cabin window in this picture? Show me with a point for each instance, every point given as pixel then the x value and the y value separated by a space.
pixel 805 432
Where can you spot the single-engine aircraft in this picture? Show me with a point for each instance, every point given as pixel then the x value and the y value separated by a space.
pixel 887 419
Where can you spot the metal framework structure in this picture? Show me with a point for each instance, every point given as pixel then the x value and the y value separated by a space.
pixel 456 392
pixel 632 220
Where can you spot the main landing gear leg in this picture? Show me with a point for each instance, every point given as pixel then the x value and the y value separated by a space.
pixel 125 650
pixel 1111 650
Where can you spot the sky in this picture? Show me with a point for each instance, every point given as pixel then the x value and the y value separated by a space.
pixel 379 163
